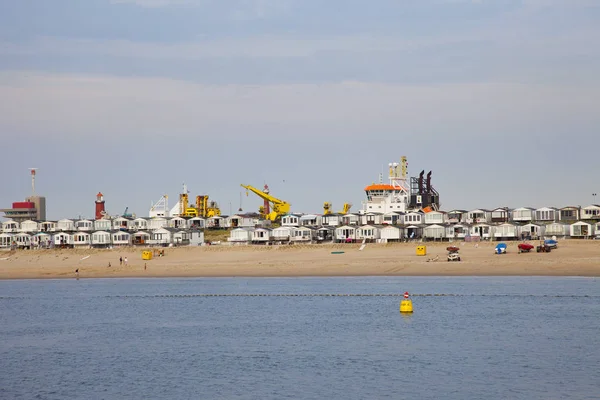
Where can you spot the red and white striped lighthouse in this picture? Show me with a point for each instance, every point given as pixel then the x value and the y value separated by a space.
pixel 100 206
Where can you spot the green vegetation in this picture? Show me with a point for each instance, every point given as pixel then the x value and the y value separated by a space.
pixel 216 235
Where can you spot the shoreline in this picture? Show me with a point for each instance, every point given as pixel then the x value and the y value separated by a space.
pixel 572 258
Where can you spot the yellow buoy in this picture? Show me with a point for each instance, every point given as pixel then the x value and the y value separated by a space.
pixel 406 306
pixel 421 250
pixel 146 255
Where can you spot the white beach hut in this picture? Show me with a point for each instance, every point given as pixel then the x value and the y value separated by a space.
pixel 413 218
pixel 479 216
pixel 350 219
pixel 139 238
pixel 456 216
pixel 102 224
pixel 506 231
pixel 121 223
pixel 435 218
pixel 82 239
pixel 591 212
pixel 41 240
pixel 597 230
pixel 84 225
pixel 62 239
pixel 413 232
pixel 101 239
pixel 303 234
pixel 65 225
pixel 261 236
pixel 29 227
pixel 523 214
pixel 48 226
pixel 345 234
pixel 282 234
pixel 557 229
pixel 391 234
pixel 181 238
pixel 325 234
pixel 369 233
pixel 531 231
pixel 331 220
pixel 371 218
pixel 240 235
pixel 483 231
pixel 568 214
pixel 141 224
pixel 177 223
pixel 197 223
pixel 122 238
pixel 23 240
pixel 500 215
pixel 457 232
pixel 310 220
pixel 157 223
pixel 434 232
pixel 10 226
pixel 216 222
pixel 6 240
pixel 290 220
pixel 581 230
pixel 392 218
pixel 546 214
pixel 160 237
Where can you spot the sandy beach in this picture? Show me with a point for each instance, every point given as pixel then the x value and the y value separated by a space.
pixel 572 258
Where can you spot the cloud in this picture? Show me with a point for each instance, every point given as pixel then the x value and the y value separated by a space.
pixel 80 106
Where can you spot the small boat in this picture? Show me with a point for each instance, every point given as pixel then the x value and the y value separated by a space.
pixel 525 247
pixel 500 248
pixel 553 244
pixel 452 249
pixel 337 252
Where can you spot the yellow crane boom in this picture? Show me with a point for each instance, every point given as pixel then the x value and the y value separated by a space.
pixel 279 207
pixel 327 208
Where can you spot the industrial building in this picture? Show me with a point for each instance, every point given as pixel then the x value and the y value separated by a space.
pixel 33 208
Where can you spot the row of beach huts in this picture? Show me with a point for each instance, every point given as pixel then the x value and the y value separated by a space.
pixel 474 225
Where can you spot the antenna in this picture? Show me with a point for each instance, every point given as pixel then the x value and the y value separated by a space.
pixel 33 180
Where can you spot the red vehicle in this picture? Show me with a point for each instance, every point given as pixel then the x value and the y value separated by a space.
pixel 525 247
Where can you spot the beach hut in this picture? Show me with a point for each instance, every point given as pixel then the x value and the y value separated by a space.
pixel 29 227
pixel 345 234
pixel 506 231
pixel 240 235
pixel 310 220
pixel 102 224
pixel 48 226
pixel 371 218
pixel 242 221
pixel 413 232
pixel 557 229
pixel 569 214
pixel 82 239
pixel 262 236
pixel 41 240
pixel 391 234
pixel 597 230
pixel 479 216
pixel 63 239
pixel 435 218
pixel 413 218
pixel 181 238
pixel 290 220
pixel 546 214
pixel 156 223
pixel 160 237
pixel 523 214
pixel 456 216
pixel 22 240
pixel 392 218
pixel 303 234
pixel 590 213
pixel 84 225
pixel 434 232
pixel 6 240
pixel 10 226
pixel 216 222
pixel 197 223
pixel 483 231
pixel 139 238
pixel 500 215
pixel 581 230
pixel 331 220
pixel 177 223
pixel 325 234
pixel 121 223
pixel 531 231
pixel 65 225
pixel 196 237
pixel 141 224
pixel 101 239
pixel 369 233
pixel 457 231
pixel 282 234
pixel 350 219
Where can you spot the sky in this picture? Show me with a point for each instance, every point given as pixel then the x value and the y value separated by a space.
pixel 133 98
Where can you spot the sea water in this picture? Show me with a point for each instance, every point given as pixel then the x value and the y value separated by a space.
pixel 468 338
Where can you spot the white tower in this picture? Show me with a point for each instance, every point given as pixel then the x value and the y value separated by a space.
pixel 32 180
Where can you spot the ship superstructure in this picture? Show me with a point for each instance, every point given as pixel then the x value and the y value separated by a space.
pixel 400 195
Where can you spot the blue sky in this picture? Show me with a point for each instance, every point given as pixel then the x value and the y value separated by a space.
pixel 134 97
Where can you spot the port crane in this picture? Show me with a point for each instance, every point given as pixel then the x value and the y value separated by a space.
pixel 327 208
pixel 274 208
pixel 204 208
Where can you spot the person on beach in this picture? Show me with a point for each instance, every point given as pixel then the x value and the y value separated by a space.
pixel 120 260
pixel 144 266
pixel 125 261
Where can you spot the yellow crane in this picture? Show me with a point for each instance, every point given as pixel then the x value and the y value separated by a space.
pixel 278 207
pixel 327 208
